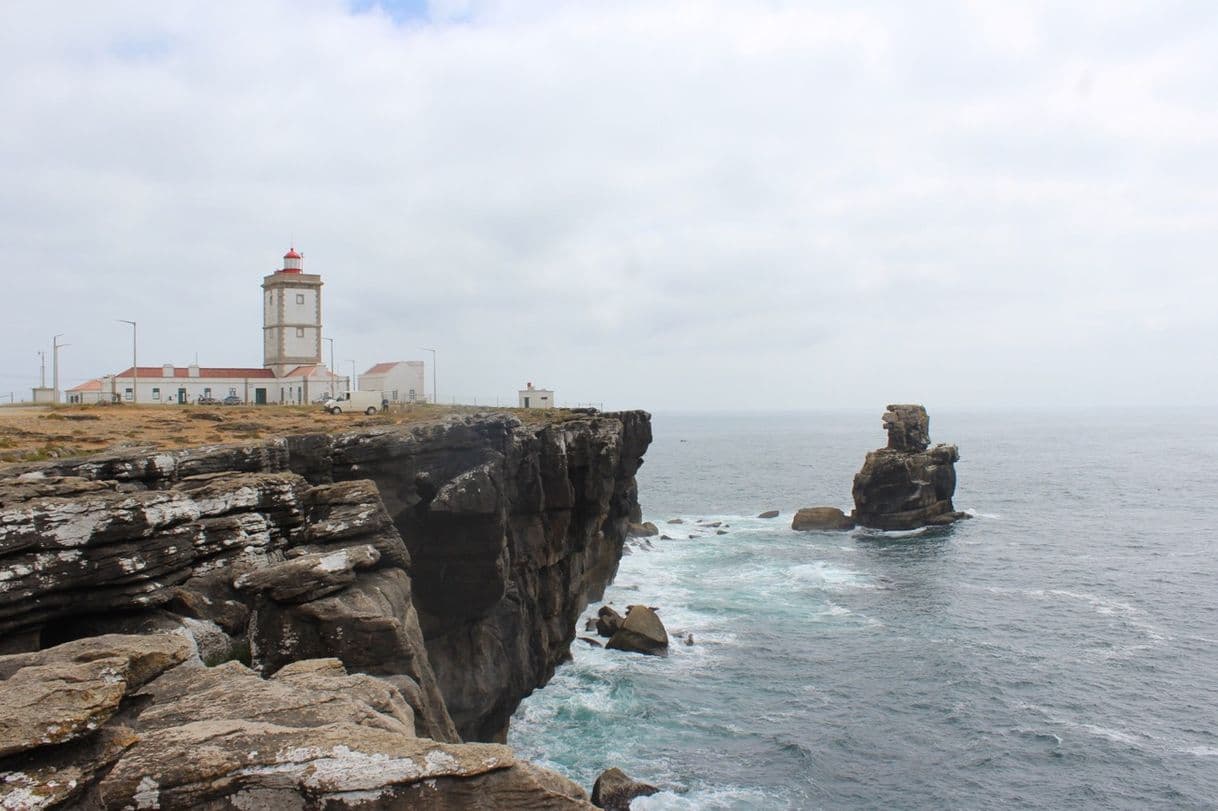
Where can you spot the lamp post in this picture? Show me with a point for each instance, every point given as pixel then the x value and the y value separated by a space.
pixel 135 366
pixel 331 340
pixel 435 398
pixel 55 347
pixel 42 369
pixel 352 385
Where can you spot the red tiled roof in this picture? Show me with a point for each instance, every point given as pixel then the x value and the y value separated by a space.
pixel 88 385
pixel 385 368
pixel 311 371
pixel 380 368
pixel 204 372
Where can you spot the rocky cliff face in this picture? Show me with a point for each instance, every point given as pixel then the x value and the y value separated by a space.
pixel 906 486
pixel 451 560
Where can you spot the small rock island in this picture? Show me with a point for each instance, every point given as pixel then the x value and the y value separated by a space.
pixel 906 485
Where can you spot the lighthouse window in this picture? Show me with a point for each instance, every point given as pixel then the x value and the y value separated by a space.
pixel 300 298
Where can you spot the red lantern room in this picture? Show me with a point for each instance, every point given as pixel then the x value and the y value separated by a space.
pixel 292 262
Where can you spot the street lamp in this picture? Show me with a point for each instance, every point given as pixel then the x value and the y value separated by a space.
pixel 55 347
pixel 331 340
pixel 135 366
pixel 351 384
pixel 435 397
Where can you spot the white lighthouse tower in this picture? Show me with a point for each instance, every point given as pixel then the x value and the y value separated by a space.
pixel 291 317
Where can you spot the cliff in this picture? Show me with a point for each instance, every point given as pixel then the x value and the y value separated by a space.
pixel 449 559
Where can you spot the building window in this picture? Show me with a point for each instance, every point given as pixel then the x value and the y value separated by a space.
pixel 127 394
pixel 156 394
pixel 300 298
pixel 411 395
pixel 207 392
pixel 300 332
pixel 232 392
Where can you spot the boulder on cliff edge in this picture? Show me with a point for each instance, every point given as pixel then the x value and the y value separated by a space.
pixel 906 485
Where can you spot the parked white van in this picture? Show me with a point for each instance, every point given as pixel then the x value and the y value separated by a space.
pixel 368 402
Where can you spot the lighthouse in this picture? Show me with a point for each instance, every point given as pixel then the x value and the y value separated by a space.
pixel 291 317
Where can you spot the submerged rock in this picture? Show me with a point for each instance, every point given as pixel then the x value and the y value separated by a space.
pixel 906 486
pixel 829 518
pixel 769 514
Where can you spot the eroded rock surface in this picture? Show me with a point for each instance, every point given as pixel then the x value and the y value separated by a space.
pixel 192 737
pixel 907 485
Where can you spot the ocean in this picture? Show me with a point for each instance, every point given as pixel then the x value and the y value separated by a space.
pixel 1059 650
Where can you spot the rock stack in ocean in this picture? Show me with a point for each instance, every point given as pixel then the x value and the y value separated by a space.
pixel 908 484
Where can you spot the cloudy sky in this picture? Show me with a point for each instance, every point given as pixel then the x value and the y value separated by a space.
pixel 669 205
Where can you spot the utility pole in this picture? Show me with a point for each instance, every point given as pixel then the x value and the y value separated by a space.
pixel 135 366
pixel 351 384
pixel 55 347
pixel 435 396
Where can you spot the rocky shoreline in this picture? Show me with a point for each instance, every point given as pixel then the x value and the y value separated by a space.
pixel 429 576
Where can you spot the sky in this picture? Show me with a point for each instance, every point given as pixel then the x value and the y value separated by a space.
pixel 664 205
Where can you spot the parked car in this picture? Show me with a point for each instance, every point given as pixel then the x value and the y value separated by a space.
pixel 232 399
pixel 207 401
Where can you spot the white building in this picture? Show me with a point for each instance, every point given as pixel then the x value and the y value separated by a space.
pixel 292 371
pixel 536 398
pixel 400 380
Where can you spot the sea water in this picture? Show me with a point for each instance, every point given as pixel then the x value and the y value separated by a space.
pixel 1058 650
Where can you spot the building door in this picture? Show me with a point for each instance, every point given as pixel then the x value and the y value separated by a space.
pixel 526 402
pixel 259 396
pixel 182 396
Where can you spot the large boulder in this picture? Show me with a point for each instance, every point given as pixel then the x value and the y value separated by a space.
pixel 822 518
pixel 906 485
pixel 608 621
pixel 641 632
pixel 614 790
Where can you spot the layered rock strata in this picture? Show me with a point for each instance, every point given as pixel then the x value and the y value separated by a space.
pixel 908 484
pixel 449 560
pixel 143 723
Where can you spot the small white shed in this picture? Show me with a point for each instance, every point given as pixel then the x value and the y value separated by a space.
pixel 531 397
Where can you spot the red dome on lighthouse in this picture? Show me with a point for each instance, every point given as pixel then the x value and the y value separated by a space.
pixel 292 261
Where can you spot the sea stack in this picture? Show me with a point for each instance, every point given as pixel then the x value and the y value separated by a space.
pixel 908 484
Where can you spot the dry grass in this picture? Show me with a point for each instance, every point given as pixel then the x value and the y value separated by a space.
pixel 33 433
